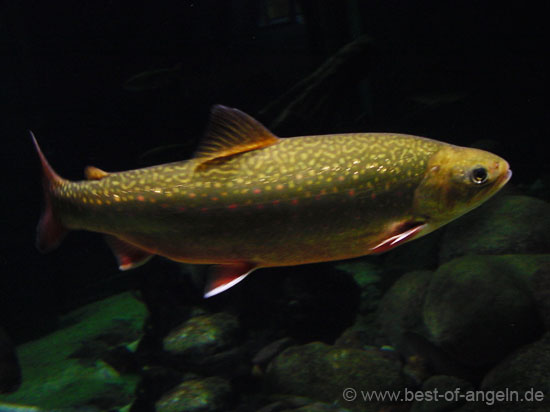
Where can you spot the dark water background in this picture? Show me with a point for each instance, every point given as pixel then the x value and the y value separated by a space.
pixel 478 68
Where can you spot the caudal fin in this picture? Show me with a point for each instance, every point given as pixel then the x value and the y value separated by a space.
pixel 50 231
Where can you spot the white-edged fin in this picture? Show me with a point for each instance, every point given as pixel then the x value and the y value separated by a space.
pixel 223 277
pixel 127 255
pixel 398 238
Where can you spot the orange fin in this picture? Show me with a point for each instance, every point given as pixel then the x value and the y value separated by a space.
pixel 403 233
pixel 50 231
pixel 94 173
pixel 224 277
pixel 231 132
pixel 127 255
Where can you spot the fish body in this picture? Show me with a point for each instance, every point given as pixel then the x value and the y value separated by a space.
pixel 249 199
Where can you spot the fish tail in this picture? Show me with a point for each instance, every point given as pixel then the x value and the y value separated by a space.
pixel 50 231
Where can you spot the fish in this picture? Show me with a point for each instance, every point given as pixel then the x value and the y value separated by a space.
pixel 10 369
pixel 249 199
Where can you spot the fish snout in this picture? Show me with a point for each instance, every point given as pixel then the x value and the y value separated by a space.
pixel 501 168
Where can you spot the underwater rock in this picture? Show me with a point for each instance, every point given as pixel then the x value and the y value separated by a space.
pixel 321 407
pixel 198 395
pixel 362 334
pixel 525 371
pixel 156 380
pixel 66 369
pixel 207 344
pixel 440 385
pixel 401 307
pixel 282 403
pixel 479 308
pixel 424 359
pixel 267 353
pixel 202 336
pixel 10 371
pixel 503 225
pixel 324 372
pixel 300 404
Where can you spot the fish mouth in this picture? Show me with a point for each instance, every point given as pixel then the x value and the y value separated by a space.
pixel 505 178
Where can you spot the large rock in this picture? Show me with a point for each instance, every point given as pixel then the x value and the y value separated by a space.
pixel 527 370
pixel 198 395
pixel 364 333
pixel 288 403
pixel 208 345
pixel 435 394
pixel 324 373
pixel 504 225
pixel 202 336
pixel 81 363
pixel 524 374
pixel 479 308
pixel 400 310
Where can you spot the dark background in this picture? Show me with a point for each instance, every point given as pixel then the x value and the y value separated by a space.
pixel 454 71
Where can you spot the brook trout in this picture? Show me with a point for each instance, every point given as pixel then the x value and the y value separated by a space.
pixel 249 199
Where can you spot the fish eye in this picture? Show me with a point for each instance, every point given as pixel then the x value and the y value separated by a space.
pixel 479 175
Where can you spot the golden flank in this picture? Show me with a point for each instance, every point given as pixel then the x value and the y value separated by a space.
pixel 249 199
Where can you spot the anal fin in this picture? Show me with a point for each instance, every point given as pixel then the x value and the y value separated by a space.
pixel 127 255
pixel 223 277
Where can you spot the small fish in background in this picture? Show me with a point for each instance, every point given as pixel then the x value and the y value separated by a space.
pixel 154 79
pixel 249 199
pixel 10 371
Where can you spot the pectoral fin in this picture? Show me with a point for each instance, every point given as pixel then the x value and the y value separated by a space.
pixel 403 232
pixel 127 255
pixel 223 277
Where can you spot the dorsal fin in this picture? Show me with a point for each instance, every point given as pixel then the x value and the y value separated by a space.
pixel 94 173
pixel 231 132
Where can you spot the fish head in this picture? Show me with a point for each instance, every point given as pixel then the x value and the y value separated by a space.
pixel 457 180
